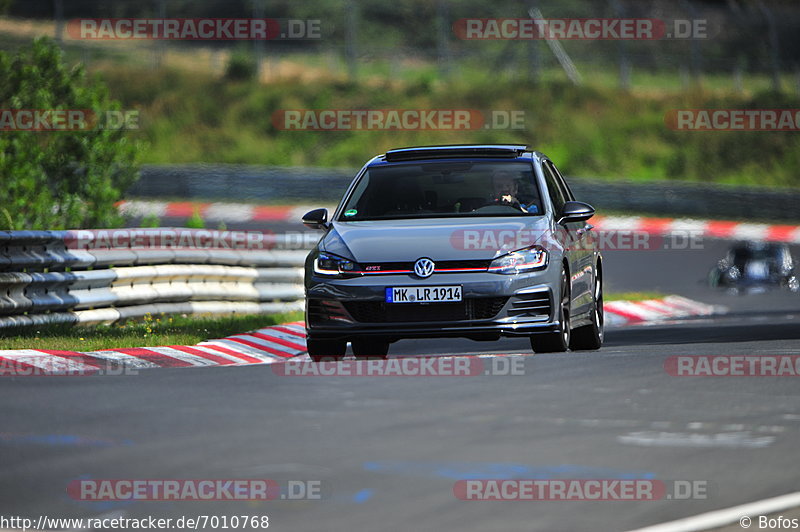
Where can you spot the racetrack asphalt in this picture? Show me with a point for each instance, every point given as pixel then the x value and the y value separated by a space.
pixel 388 450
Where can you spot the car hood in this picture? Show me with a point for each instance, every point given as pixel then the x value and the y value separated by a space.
pixel 438 239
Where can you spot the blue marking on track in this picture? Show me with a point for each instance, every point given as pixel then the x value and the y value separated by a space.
pixel 501 470
pixel 363 496
pixel 68 440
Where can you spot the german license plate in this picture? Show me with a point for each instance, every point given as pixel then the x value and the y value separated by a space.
pixel 423 294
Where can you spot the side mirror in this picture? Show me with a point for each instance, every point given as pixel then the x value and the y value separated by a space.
pixel 576 211
pixel 316 219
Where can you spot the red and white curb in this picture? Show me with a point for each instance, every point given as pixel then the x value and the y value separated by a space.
pixel 272 344
pixel 618 313
pixel 699 228
pixel 217 212
pixel 242 212
pixel 263 346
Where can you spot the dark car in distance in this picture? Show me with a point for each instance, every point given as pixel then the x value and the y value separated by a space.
pixel 754 266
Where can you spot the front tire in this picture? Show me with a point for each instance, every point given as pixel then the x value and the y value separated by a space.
pixel 557 341
pixel 590 337
pixel 325 350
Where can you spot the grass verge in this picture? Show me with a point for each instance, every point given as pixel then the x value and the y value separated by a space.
pixel 152 331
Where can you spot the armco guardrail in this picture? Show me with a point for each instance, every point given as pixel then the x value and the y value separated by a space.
pixel 101 276
pixel 310 185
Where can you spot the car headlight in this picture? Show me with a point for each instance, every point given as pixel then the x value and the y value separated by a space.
pixel 522 260
pixel 733 273
pixel 327 264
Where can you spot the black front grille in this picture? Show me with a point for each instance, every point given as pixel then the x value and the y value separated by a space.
pixel 322 311
pixel 484 308
pixel 453 264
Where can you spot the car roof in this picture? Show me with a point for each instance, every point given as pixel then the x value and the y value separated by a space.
pixel 455 151
pixel 751 245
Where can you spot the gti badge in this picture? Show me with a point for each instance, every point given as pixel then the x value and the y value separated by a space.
pixel 424 267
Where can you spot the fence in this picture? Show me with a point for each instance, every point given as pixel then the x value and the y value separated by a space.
pixel 749 45
pixel 91 277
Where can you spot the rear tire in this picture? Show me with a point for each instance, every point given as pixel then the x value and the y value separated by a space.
pixel 590 337
pixel 326 350
pixel 557 341
pixel 370 349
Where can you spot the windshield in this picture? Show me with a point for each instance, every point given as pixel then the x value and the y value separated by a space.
pixel 444 190
pixel 766 253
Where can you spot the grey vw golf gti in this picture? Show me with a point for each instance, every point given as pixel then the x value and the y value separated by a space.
pixel 454 241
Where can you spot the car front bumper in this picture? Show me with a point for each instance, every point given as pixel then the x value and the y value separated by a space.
pixel 493 305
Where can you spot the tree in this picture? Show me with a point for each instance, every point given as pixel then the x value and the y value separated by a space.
pixel 59 179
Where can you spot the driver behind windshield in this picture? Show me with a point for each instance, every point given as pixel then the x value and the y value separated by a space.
pixel 505 189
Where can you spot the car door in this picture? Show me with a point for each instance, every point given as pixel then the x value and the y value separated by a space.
pixel 580 253
pixel 563 233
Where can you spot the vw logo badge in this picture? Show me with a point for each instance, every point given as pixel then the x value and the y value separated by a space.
pixel 424 267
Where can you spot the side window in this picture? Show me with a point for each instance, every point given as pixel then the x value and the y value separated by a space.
pixel 553 189
pixel 562 183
